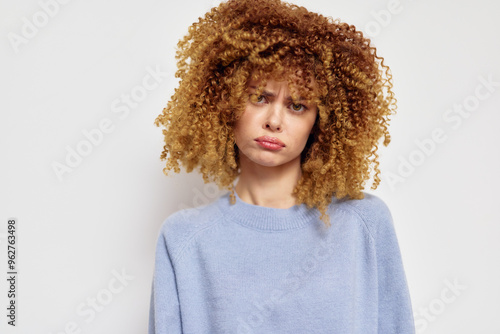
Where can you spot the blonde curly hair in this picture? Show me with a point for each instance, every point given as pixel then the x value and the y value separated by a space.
pixel 330 63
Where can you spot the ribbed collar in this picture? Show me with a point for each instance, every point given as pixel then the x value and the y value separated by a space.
pixel 264 218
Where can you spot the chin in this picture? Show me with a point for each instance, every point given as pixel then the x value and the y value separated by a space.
pixel 271 162
pixel 267 163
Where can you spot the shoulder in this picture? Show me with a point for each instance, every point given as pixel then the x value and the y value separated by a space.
pixel 371 210
pixel 182 226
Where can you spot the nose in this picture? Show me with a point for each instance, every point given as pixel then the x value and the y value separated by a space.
pixel 274 117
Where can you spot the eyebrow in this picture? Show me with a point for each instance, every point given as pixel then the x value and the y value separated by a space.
pixel 271 94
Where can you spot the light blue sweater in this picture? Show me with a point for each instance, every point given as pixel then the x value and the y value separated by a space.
pixel 243 268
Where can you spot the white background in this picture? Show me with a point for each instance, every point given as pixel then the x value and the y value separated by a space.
pixel 71 72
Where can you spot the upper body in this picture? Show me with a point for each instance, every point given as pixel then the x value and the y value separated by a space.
pixel 292 104
pixel 244 268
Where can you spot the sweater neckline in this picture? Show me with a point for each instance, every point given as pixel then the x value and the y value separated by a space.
pixel 266 218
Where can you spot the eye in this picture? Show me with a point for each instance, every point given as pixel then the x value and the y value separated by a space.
pixel 258 99
pixel 297 107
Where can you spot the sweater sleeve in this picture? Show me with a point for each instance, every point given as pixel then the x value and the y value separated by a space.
pixel 164 312
pixel 395 309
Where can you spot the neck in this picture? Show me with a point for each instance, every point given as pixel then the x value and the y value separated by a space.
pixel 268 186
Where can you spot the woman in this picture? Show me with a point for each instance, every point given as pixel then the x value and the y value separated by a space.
pixel 292 105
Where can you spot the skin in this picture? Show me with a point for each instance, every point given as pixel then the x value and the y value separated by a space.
pixel 267 177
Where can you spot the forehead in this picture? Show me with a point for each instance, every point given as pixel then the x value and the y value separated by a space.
pixel 294 84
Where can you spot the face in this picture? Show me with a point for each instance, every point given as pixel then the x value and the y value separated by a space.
pixel 273 130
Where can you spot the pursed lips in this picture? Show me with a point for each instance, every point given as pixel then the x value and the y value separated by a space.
pixel 269 139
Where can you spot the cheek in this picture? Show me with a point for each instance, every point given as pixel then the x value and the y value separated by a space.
pixel 311 122
pixel 303 130
pixel 239 131
pixel 243 124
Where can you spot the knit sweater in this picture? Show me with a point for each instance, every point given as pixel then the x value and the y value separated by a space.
pixel 244 268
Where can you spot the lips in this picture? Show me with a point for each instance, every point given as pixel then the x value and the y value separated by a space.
pixel 272 140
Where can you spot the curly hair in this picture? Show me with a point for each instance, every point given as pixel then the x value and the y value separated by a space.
pixel 243 40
